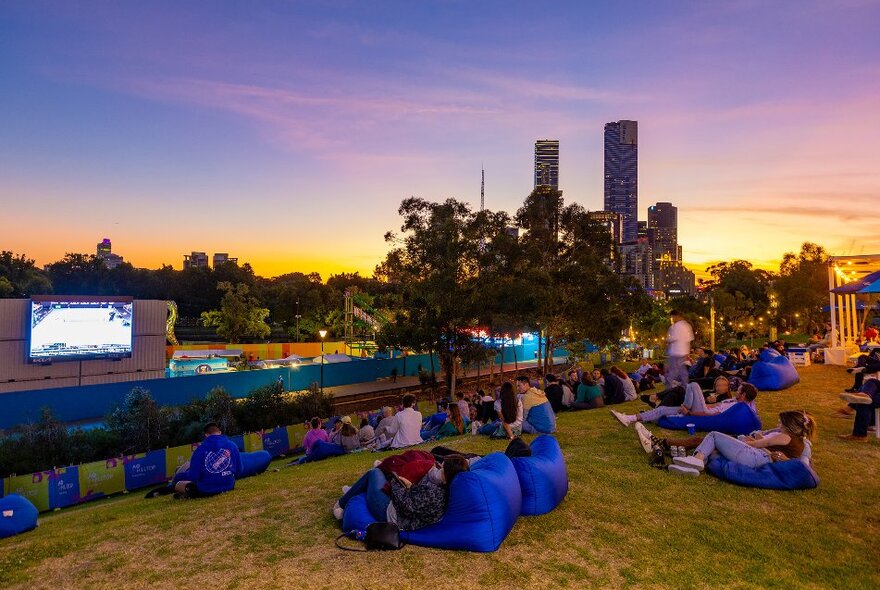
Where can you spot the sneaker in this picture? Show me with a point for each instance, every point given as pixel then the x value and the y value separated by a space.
pixel 623 418
pixel 852 437
pixel 682 470
pixel 690 461
pixel 377 462
pixel 337 511
pixel 844 413
pixel 856 398
pixel 345 489
pixel 644 437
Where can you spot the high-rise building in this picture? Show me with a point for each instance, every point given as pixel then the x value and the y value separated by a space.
pixel 663 221
pixel 611 222
pixel 104 251
pixel 221 258
pixel 547 163
pixel 673 278
pixel 622 174
pixel 195 260
pixel 637 261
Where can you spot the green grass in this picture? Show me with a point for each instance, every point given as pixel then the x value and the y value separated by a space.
pixel 622 525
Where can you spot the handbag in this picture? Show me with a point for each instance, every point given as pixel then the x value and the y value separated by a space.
pixel 379 536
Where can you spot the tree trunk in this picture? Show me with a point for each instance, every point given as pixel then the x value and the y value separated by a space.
pixel 502 359
pixel 515 360
pixel 538 365
pixel 433 378
pixel 452 381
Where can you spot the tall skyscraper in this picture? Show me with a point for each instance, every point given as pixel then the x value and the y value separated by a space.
pixel 663 220
pixel 622 174
pixel 547 163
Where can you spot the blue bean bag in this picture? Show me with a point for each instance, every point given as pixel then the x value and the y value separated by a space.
pixel 542 418
pixel 436 420
pixel 323 450
pixel 253 463
pixel 17 515
pixel 740 419
pixel 773 372
pixel 484 503
pixel 543 477
pixel 793 474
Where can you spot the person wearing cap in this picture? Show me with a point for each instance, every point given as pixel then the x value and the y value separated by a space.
pixel 347 436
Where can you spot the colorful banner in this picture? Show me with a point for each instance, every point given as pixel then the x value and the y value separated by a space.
pixel 101 478
pixel 295 435
pixel 64 487
pixel 175 457
pixel 34 487
pixel 145 469
pixel 238 441
pixel 253 441
pixel 275 441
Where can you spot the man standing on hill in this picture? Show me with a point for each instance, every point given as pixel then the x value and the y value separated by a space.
pixel 678 346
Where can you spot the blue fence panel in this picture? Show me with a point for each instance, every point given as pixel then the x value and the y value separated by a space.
pixel 144 470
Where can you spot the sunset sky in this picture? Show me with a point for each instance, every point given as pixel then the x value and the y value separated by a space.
pixel 287 133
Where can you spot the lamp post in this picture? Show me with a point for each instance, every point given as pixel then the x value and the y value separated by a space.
pixel 297 316
pixel 322 334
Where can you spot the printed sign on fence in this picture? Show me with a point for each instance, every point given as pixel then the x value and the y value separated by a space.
pixel 175 457
pixel 33 486
pixel 101 478
pixel 295 434
pixel 253 441
pixel 64 487
pixel 275 441
pixel 145 469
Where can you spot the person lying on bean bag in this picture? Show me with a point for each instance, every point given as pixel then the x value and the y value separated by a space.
pixel 785 443
pixel 396 499
pixel 694 405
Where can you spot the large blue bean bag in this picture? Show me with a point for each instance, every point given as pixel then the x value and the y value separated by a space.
pixel 17 515
pixel 542 418
pixel 793 474
pixel 543 477
pixel 253 463
pixel 324 450
pixel 740 419
pixel 484 503
pixel 773 372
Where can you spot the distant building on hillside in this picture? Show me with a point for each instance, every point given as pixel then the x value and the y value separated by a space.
pixel 673 278
pixel 104 251
pixel 221 258
pixel 195 260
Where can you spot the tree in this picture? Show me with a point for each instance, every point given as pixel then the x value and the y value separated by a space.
pixel 802 287
pixel 741 294
pixel 139 423
pixel 20 277
pixel 239 316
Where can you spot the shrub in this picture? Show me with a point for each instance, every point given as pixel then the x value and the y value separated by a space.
pixel 309 403
pixel 139 423
pixel 264 407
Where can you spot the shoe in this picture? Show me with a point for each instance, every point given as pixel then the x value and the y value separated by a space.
pixel 850 390
pixel 856 398
pixel 623 418
pixel 345 489
pixel 872 429
pixel 377 462
pixel 337 511
pixel 644 437
pixel 179 496
pixel 682 470
pixel 852 437
pixel 844 413
pixel 690 461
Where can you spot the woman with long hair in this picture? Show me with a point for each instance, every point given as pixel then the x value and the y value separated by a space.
pixel 786 441
pixel 454 425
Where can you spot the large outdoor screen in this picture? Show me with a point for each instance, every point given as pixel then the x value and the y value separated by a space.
pixel 79 328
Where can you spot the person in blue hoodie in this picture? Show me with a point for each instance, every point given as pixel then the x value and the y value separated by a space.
pixel 212 467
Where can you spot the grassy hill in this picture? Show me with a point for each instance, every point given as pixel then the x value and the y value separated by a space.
pixel 623 524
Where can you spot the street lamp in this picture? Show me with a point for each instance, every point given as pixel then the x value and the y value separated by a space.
pixel 322 334
pixel 297 316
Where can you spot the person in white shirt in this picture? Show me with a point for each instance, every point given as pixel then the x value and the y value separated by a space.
pixel 409 424
pixel 678 341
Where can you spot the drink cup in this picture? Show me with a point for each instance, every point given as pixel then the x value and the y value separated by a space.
pixel 692 428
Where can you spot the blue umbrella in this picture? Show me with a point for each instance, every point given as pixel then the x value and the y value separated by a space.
pixel 867 284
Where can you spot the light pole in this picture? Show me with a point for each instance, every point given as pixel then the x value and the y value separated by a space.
pixel 297 316
pixel 322 334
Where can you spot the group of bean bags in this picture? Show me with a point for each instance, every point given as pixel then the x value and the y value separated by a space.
pixel 773 372
pixel 485 502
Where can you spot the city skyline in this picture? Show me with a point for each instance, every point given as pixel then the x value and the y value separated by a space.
pixel 168 128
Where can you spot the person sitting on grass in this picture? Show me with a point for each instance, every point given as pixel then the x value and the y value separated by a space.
pixel 629 387
pixel 589 394
pixel 409 504
pixel 674 396
pixel 612 390
pixel 864 403
pixel 509 410
pixel 555 393
pixel 409 424
pixel 212 467
pixel 347 436
pixel 694 405
pixel 386 429
pixel 786 442
pixel 315 433
pixel 367 434
pixel 455 424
